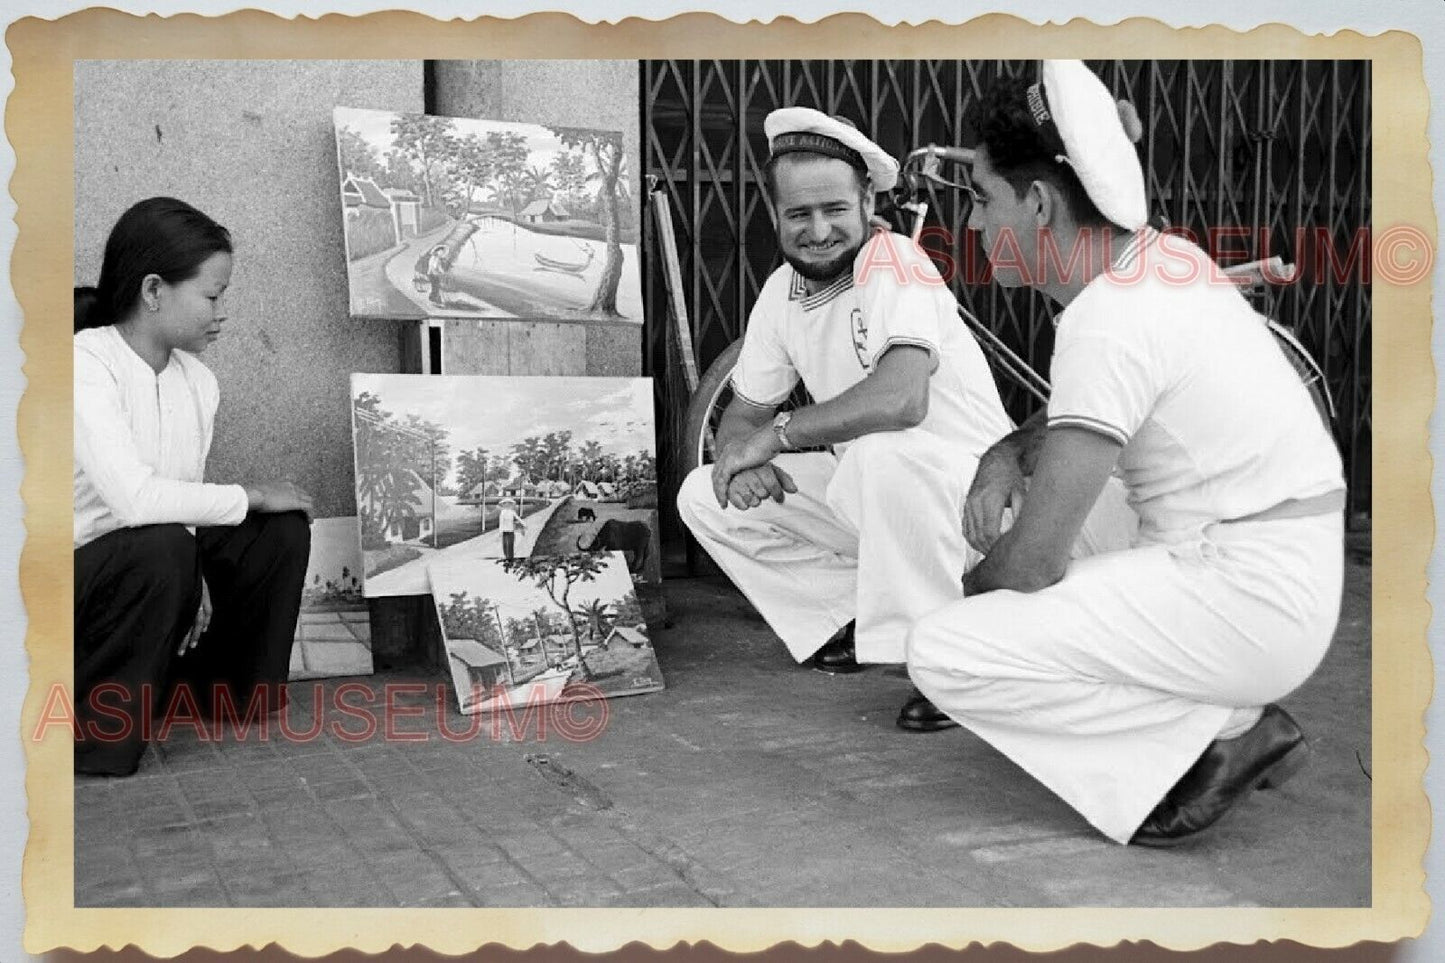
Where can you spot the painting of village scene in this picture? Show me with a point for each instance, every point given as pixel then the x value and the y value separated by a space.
pixel 453 217
pixel 533 630
pixel 445 464
pixel 333 631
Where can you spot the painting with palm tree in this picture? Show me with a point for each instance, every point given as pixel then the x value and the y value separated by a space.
pixel 454 217
pixel 541 629
pixel 482 467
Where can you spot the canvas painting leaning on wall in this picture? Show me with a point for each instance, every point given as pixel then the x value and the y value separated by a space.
pixel 453 217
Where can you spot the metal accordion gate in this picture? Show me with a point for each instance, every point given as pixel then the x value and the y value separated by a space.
pixel 1264 157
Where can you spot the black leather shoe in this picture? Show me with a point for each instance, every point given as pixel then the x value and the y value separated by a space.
pixel 920 715
pixel 1272 751
pixel 837 656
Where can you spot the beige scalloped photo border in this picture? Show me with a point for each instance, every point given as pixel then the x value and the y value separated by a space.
pixel 40 126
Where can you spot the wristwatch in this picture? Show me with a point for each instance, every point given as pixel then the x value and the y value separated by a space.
pixel 780 428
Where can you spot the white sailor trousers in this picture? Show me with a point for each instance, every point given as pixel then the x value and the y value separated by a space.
pixel 1108 685
pixel 873 535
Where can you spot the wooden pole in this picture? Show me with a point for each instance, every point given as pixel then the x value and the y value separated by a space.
pixel 672 279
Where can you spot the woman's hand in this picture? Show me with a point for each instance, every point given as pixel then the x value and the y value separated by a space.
pixel 202 622
pixel 272 497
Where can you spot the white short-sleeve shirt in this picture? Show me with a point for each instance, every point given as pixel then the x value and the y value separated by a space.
pixel 1166 357
pixel 141 441
pixel 832 339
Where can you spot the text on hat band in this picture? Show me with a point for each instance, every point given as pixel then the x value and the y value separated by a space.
pixel 813 143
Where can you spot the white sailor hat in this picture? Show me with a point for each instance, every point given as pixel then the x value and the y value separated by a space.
pixel 1091 126
pixel 803 129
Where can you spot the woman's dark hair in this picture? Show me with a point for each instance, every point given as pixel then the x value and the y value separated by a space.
pixel 86 313
pixel 161 236
pixel 1022 151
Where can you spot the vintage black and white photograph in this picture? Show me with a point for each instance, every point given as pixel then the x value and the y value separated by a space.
pixel 991 482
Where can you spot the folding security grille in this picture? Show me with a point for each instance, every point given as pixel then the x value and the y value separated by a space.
pixel 1279 149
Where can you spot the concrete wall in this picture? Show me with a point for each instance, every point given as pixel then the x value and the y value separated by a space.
pixel 602 94
pixel 251 143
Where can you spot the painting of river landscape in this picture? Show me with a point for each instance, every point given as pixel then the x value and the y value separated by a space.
pixel 547 628
pixel 462 218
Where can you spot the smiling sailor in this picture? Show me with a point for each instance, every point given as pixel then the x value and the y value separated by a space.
pixel 1138 685
pixel 842 552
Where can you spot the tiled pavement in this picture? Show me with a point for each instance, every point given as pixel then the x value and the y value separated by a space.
pixel 747 782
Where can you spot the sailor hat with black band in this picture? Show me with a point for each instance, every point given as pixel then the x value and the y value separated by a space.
pixel 803 129
pixel 1071 101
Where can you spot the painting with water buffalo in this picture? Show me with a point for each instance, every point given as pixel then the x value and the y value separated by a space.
pixel 546 628
pixel 453 217
pixel 479 467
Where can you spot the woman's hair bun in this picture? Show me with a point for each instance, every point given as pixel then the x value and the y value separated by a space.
pixel 88 312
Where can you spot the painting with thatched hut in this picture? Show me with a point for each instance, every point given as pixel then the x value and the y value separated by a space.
pixel 456 217
pixel 541 629
pixel 484 466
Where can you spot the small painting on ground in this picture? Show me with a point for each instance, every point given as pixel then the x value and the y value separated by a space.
pixel 454 217
pixel 546 628
pixel 484 467
pixel 333 633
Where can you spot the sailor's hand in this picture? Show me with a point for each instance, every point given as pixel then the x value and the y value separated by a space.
pixel 753 451
pixel 997 485
pixel 752 487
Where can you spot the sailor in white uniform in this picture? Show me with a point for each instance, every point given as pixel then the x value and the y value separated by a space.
pixel 1138 685
pixel 872 531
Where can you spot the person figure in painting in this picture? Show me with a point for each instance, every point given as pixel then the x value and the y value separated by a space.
pixel 436 269
pixel 1139 685
pixel 841 553
pixel 186 592
pixel 509 522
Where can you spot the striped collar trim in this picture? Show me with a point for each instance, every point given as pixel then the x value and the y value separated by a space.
pixel 1142 238
pixel 799 291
